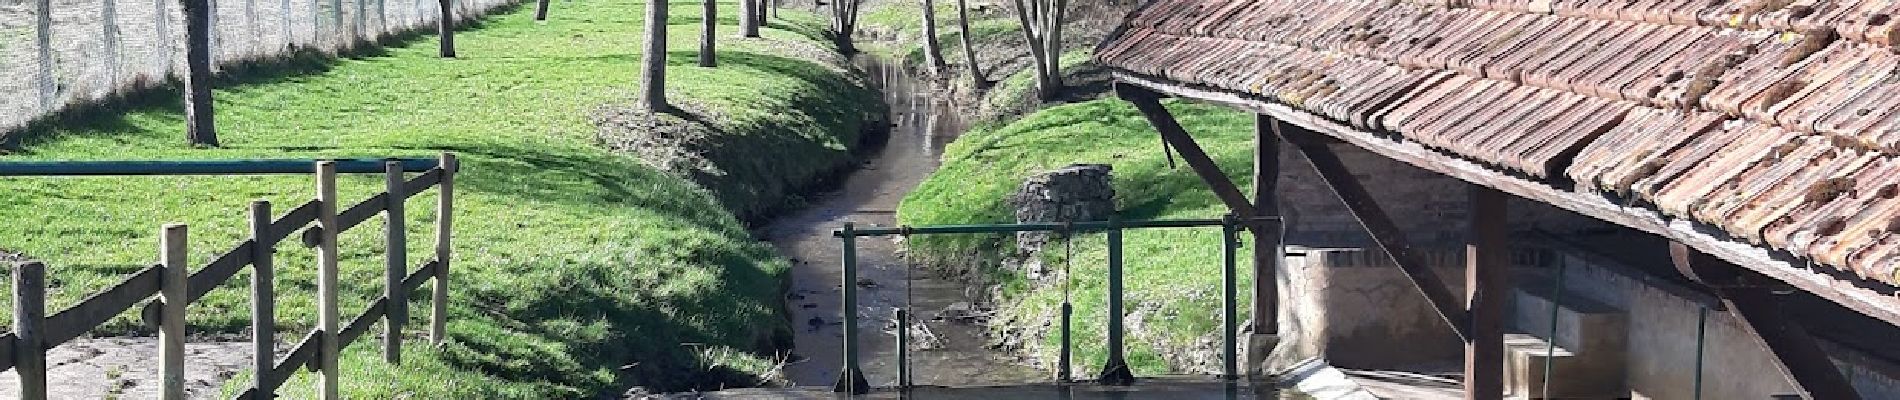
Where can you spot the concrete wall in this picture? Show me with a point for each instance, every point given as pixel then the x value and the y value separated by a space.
pixel 1356 310
pixel 1662 343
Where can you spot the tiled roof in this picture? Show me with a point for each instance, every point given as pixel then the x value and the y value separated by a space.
pixel 1776 120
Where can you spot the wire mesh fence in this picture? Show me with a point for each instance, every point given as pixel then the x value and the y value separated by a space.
pixel 58 53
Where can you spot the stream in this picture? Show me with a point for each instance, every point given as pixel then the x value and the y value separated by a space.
pixel 922 123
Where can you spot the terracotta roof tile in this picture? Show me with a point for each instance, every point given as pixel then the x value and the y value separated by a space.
pixel 1776 120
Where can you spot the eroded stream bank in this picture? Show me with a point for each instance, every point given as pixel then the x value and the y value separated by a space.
pixel 922 123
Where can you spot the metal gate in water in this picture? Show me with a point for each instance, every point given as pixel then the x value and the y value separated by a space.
pixel 1115 371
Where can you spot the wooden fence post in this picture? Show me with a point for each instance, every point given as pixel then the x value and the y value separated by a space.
pixel 263 298
pixel 171 322
pixel 29 320
pixel 445 215
pixel 396 263
pixel 326 278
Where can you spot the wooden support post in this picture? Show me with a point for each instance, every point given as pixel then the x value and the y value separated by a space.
pixel 446 28
pixel 1487 281
pixel 444 218
pixel 327 313
pixel 171 322
pixel 395 263
pixel 29 323
pixel 1751 300
pixel 1383 231
pixel 1269 239
pixel 263 298
pixel 1171 131
pixel 200 127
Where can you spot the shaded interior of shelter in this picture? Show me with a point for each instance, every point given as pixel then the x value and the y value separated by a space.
pixel 1770 122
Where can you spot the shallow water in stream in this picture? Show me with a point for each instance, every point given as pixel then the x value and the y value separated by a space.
pixel 922 123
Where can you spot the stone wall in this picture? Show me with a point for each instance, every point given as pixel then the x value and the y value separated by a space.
pixel 1355 309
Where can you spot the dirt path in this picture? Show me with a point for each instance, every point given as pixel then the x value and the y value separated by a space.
pixel 127 368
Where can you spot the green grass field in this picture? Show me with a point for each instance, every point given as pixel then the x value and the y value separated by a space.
pixel 1173 281
pixel 578 271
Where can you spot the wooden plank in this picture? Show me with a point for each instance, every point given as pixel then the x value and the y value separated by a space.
pixel 299 357
pixel 415 279
pixel 1171 131
pixel 296 219
pixel 361 324
pixel 350 218
pixel 421 183
pixel 1487 285
pixel 208 278
pixel 1758 309
pixel 29 318
pixel 8 344
pixel 1873 301
pixel 171 322
pixel 102 306
pixel 1383 231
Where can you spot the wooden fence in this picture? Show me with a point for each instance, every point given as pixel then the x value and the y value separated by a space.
pixel 24 349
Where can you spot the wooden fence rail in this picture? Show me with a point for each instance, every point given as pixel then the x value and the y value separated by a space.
pixel 24 349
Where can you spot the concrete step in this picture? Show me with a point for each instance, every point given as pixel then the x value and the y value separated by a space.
pixel 1589 356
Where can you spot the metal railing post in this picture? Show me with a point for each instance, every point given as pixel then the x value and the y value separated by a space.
pixel 171 325
pixel 1230 301
pixel 1115 372
pixel 29 324
pixel 903 349
pixel 396 263
pixel 263 299
pixel 1064 362
pixel 851 378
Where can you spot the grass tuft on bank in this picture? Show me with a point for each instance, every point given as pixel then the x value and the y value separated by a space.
pixel 579 271
pixel 1173 275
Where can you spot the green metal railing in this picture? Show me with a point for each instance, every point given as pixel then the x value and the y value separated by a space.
pixel 1115 371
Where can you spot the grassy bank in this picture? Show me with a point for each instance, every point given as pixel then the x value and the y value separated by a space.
pixel 1009 90
pixel 1173 281
pixel 579 270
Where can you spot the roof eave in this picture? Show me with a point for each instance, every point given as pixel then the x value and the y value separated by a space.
pixel 1860 295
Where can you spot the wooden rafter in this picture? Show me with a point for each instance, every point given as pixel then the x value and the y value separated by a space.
pixel 1387 234
pixel 1149 103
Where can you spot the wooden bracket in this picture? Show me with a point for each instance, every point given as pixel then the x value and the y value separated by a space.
pixel 1383 230
pixel 1172 133
pixel 1758 309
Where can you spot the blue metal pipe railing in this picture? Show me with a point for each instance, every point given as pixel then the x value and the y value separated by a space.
pixel 1115 372
pixel 205 167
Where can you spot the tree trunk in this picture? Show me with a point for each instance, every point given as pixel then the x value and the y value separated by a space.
pixel 969 44
pixel 200 129
pixel 749 18
pixel 446 28
pixel 653 60
pixel 844 22
pixel 708 31
pixel 758 16
pixel 541 10
pixel 1042 29
pixel 933 51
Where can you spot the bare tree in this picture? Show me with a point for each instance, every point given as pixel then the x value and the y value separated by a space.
pixel 653 71
pixel 969 44
pixel 933 51
pixel 749 18
pixel 844 22
pixel 200 128
pixel 1042 27
pixel 709 29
